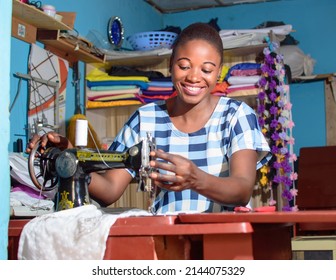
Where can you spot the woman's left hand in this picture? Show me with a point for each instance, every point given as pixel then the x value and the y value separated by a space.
pixel 182 173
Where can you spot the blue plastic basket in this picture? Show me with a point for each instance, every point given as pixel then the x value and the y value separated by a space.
pixel 152 40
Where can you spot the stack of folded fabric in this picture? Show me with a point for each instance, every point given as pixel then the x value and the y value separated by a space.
pixel 105 90
pixel 110 93
pixel 126 86
pixel 158 89
pixel 243 78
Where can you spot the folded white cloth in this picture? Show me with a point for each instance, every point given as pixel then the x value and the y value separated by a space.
pixel 74 234
pixel 22 198
pixel 19 172
pixel 242 40
pixel 243 80
pixel 278 30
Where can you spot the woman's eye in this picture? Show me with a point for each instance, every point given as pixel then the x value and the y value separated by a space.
pixel 184 67
pixel 207 71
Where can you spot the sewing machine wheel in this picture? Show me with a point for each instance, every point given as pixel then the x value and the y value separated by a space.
pixel 41 167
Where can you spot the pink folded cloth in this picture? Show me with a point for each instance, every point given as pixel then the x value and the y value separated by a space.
pixel 28 190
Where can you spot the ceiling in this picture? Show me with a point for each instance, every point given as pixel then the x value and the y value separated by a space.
pixel 174 6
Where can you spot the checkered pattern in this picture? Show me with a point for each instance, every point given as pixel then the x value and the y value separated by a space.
pixel 233 126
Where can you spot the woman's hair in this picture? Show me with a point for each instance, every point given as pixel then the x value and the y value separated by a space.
pixel 200 31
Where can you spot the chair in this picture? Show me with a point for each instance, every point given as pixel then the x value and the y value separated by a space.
pixel 316 191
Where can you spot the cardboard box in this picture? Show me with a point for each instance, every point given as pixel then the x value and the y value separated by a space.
pixel 23 31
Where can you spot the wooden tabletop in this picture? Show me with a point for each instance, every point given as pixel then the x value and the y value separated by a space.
pixel 183 222
pixel 316 216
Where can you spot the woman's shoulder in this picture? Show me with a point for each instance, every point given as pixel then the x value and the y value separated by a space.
pixel 153 106
pixel 226 102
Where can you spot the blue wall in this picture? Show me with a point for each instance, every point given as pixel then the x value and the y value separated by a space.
pixel 5 23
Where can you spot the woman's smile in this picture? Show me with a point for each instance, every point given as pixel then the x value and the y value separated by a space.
pixel 192 90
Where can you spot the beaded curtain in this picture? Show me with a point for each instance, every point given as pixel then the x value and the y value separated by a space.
pixel 275 119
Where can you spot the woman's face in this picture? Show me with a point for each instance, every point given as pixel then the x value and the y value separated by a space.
pixel 195 69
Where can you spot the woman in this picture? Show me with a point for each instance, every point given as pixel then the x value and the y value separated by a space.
pixel 209 147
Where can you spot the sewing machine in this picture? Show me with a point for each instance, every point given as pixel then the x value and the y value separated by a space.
pixel 69 170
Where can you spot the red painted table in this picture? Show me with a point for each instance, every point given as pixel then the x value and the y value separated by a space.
pixel 200 236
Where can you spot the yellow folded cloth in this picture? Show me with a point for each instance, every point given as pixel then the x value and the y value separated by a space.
pixel 99 104
pixel 99 75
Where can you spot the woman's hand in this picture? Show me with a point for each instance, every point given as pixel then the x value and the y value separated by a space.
pixel 182 173
pixel 52 138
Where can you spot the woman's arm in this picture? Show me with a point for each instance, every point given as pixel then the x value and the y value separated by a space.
pixel 108 187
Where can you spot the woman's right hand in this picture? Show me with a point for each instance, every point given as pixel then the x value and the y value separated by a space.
pixel 53 138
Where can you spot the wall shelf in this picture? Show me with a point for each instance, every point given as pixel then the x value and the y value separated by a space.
pixel 33 16
pixel 70 49
pixel 144 59
pixel 30 24
pixel 159 61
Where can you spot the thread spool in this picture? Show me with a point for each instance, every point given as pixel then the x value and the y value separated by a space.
pixel 81 137
pixel 19 145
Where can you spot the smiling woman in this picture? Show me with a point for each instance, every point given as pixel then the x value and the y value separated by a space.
pixel 208 147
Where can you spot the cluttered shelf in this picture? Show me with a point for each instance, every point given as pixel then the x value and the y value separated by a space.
pixel 152 58
pixel 36 17
pixel 154 61
pixel 68 47
pixel 30 24
pixel 240 46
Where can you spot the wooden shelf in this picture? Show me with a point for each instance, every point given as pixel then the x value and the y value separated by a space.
pixel 33 16
pixel 244 51
pixel 30 24
pixel 145 59
pixel 313 78
pixel 160 62
pixel 67 49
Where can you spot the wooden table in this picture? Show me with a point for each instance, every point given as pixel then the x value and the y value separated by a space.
pixel 200 236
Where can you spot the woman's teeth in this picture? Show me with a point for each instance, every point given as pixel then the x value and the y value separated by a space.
pixel 193 88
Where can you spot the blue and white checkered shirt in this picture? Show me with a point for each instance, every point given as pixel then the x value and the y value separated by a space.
pixel 233 126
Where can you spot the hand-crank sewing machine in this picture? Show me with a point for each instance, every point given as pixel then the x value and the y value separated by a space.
pixel 69 170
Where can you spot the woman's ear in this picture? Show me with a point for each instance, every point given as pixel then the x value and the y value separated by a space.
pixel 220 76
pixel 170 64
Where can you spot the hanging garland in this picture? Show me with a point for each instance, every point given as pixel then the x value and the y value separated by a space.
pixel 274 116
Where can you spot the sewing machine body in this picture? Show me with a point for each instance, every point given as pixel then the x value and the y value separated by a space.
pixel 69 170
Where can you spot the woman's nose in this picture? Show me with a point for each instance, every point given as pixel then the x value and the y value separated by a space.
pixel 194 75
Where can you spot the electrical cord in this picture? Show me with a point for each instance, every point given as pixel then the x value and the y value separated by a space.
pixel 16 95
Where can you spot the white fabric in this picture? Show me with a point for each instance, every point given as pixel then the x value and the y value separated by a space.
pixel 297 60
pixel 243 80
pixel 22 198
pixel 19 172
pixel 74 234
pixel 242 40
pixel 278 30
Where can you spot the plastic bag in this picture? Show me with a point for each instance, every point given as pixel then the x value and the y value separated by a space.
pixel 299 63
